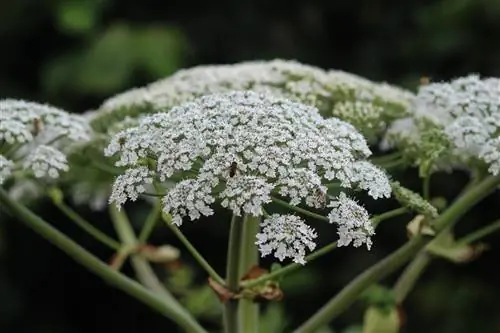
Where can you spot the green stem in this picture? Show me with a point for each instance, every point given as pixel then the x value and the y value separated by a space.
pixel 426 191
pixel 142 268
pixel 197 255
pixel 410 275
pixel 316 254
pixel 417 266
pixel 87 226
pixel 233 274
pixel 385 158
pixel 150 222
pixel 300 210
pixel 480 233
pixel 398 258
pixel 288 268
pixel 171 310
pixel 388 215
pixel 249 257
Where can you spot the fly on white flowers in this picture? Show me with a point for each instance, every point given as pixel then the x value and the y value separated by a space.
pixel 241 149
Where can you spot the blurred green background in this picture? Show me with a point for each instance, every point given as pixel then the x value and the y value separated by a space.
pixel 74 54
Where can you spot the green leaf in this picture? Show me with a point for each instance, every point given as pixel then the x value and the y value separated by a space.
pixel 108 65
pixel 159 49
pixel 78 17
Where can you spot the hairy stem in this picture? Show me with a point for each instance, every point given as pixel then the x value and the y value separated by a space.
pixel 233 274
pixel 398 258
pixel 249 257
pixel 170 309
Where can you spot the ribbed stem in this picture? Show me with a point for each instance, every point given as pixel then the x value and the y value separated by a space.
pixel 233 274
pixel 249 254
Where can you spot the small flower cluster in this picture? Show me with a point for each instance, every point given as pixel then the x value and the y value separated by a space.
pixel 369 106
pixel 34 138
pixel 455 124
pixel 243 148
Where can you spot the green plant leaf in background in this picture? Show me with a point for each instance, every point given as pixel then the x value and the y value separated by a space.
pixel 160 49
pixel 78 17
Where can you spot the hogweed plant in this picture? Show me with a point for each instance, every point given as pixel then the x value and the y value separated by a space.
pixel 283 147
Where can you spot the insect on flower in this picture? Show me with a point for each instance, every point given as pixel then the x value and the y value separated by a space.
pixel 233 169
pixel 37 126
pixel 321 198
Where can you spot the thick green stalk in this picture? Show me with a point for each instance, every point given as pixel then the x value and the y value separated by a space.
pixel 170 310
pixel 249 257
pixel 398 258
pixel 233 274
pixel 414 270
pixel 410 275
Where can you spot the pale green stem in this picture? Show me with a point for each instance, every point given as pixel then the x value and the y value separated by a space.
pixel 385 158
pixel 233 274
pixel 249 257
pixel 288 268
pixel 480 233
pixel 426 191
pixel 150 222
pixel 398 258
pixel 142 268
pixel 388 215
pixel 410 275
pixel 316 254
pixel 87 226
pixel 300 210
pixel 197 255
pixel 407 280
pixel 170 309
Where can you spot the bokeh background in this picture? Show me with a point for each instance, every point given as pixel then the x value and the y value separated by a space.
pixel 74 54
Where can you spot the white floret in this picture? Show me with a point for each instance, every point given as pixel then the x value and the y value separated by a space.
pixel 287 236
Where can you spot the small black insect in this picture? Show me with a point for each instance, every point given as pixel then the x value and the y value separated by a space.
pixel 37 126
pixel 233 169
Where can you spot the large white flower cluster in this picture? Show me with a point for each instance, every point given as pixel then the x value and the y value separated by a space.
pixel 242 148
pixel 366 104
pixel 34 138
pixel 457 121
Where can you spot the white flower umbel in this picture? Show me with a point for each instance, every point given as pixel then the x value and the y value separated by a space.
pixel 239 149
pixel 36 137
pixel 367 105
pixel 130 184
pixel 46 161
pixel 288 236
pixel 458 120
pixel 354 225
pixel 6 167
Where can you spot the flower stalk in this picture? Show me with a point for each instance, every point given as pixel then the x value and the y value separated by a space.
pixel 233 274
pixel 249 257
pixel 398 258
pixel 169 308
